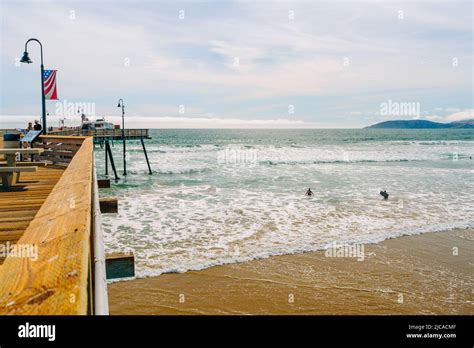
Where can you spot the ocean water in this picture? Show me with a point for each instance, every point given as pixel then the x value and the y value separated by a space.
pixel 225 196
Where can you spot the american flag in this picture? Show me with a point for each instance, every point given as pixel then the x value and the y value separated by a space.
pixel 50 91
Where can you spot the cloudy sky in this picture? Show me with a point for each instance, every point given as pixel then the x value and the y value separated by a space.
pixel 247 63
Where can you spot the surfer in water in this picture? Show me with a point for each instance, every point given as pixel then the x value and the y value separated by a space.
pixel 309 192
pixel 384 194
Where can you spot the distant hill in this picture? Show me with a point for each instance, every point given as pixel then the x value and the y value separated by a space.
pixel 422 124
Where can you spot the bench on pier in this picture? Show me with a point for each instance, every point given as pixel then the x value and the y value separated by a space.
pixel 11 173
pixel 8 174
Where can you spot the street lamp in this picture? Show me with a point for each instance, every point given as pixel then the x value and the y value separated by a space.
pixel 26 59
pixel 120 104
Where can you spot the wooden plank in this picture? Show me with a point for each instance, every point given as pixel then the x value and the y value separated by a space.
pixel 108 205
pixel 58 153
pixel 68 131
pixel 65 138
pixel 18 169
pixel 55 159
pixel 19 164
pixel 17 206
pixel 56 283
pixel 21 151
pixel 55 146
pixel 14 225
pixel 103 183
pixel 120 265
pixel 69 142
pixel 58 142
pixel 51 154
pixel 119 255
pixel 12 235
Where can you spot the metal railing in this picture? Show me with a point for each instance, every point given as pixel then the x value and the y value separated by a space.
pixel 101 302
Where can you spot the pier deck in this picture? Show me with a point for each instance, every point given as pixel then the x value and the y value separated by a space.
pixel 19 206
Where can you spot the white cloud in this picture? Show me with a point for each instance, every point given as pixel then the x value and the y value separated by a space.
pixel 9 121
pixel 463 115
pixel 452 110
pixel 435 118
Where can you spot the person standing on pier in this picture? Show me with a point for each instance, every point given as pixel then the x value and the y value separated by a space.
pixel 37 126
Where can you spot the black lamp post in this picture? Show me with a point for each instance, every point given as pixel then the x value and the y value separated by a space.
pixel 120 104
pixel 26 59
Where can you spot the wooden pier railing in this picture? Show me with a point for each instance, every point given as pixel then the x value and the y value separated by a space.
pixel 58 149
pixel 112 134
pixel 61 279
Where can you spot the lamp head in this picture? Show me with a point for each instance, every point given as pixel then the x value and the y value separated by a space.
pixel 25 58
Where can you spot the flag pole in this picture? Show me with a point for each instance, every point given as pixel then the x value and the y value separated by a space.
pixel 26 59
pixel 45 130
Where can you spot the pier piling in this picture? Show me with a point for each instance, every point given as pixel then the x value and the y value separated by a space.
pixel 146 156
pixel 106 161
pixel 124 158
pixel 109 151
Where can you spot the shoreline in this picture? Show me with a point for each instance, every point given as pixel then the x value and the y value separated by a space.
pixel 415 274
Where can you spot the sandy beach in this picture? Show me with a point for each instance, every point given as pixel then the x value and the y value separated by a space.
pixel 431 273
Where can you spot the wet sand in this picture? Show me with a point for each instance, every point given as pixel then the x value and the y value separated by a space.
pixel 407 275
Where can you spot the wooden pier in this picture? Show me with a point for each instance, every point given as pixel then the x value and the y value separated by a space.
pixel 103 137
pixel 55 210
pixel 105 134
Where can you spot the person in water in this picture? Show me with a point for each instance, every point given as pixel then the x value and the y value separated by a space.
pixel 384 194
pixel 309 192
